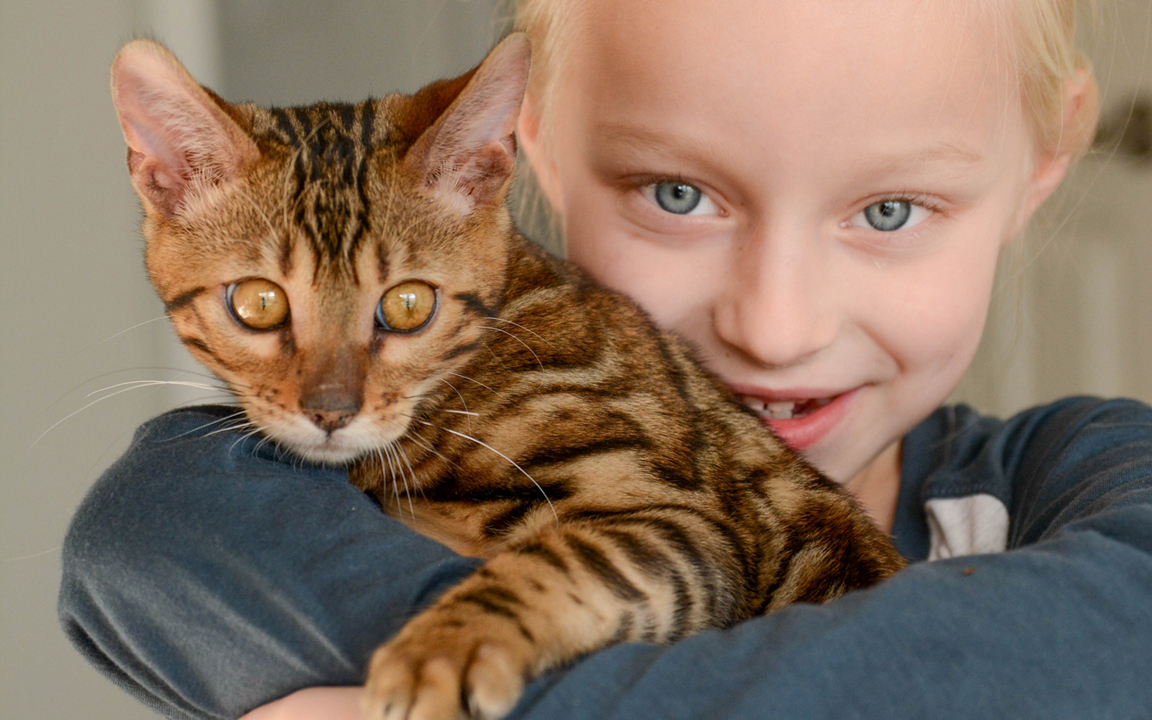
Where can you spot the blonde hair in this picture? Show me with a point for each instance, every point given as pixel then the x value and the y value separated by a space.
pixel 1041 38
pixel 1049 59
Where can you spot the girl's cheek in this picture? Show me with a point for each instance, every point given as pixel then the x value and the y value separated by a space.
pixel 936 316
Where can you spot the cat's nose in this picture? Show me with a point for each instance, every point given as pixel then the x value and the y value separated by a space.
pixel 330 421
pixel 330 407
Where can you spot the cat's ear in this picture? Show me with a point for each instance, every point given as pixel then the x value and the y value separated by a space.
pixel 178 133
pixel 469 154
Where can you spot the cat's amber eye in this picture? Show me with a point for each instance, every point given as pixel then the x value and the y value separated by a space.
pixel 406 307
pixel 258 303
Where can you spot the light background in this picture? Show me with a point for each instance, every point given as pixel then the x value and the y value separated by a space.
pixel 77 314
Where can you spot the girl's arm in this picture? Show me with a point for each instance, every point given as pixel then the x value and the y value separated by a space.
pixel 260 589
pixel 316 703
pixel 207 577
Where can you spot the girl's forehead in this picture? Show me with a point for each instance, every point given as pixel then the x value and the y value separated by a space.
pixel 833 67
pixel 786 43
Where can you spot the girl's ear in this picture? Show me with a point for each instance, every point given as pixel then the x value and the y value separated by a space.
pixel 528 133
pixel 1078 127
pixel 177 132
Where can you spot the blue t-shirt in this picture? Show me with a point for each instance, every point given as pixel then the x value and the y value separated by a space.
pixel 207 575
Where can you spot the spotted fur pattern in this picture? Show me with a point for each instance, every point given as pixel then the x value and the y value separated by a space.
pixel 618 490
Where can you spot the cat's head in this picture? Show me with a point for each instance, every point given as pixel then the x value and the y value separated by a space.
pixel 330 263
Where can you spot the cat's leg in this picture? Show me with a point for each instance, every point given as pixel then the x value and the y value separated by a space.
pixel 567 591
pixel 833 546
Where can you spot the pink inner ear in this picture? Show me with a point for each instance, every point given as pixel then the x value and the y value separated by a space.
pixel 170 119
pixel 471 148
pixel 150 141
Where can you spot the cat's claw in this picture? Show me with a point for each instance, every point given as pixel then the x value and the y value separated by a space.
pixel 441 677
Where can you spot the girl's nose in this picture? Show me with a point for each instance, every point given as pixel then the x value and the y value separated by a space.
pixel 780 307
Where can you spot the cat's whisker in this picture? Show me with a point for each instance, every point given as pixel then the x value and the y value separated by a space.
pixel 242 438
pixel 395 486
pixel 417 398
pixel 465 377
pixel 394 475
pixel 497 357
pixel 265 441
pixel 428 448
pixel 505 320
pixel 135 385
pixel 219 421
pixel 470 428
pixel 244 426
pixel 391 468
pixel 152 383
pixel 510 460
pixel 253 432
pixel 407 490
pixel 46 409
pixel 460 412
pixel 489 327
pixel 411 471
pixel 116 335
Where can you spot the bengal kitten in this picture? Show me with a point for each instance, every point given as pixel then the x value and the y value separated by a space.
pixel 352 273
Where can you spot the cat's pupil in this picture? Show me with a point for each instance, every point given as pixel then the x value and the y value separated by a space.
pixel 888 215
pixel 678 198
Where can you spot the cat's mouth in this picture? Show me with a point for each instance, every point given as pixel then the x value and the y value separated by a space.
pixel 338 447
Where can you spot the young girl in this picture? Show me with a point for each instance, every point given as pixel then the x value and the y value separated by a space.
pixel 815 193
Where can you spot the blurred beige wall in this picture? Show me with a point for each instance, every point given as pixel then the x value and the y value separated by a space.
pixel 73 293
pixel 70 279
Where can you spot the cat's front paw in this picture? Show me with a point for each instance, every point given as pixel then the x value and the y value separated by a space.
pixel 445 672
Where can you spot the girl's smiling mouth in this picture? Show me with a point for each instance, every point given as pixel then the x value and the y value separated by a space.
pixel 800 418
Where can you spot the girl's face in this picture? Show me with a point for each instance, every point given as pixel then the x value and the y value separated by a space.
pixel 814 193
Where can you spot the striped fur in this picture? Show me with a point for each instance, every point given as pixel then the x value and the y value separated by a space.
pixel 619 491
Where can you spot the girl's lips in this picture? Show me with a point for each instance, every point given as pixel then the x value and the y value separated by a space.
pixel 803 432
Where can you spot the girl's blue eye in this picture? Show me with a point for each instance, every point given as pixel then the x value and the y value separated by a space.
pixel 680 198
pixel 890 216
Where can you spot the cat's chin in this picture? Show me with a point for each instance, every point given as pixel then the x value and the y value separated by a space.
pixel 328 456
pixel 336 450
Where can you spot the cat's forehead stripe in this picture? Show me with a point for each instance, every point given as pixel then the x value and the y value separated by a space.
pixel 332 145
pixel 316 129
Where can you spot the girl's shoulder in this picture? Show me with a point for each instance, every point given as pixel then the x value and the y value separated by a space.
pixel 956 439
pixel 967 478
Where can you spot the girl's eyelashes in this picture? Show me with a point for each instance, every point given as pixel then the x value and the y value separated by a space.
pixel 892 214
pixel 679 198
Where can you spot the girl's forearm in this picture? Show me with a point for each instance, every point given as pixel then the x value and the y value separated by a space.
pixel 316 703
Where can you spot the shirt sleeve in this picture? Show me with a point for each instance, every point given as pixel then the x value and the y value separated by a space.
pixel 274 578
pixel 207 574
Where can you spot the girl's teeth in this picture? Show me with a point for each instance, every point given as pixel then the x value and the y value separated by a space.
pixel 780 410
pixel 785 410
pixel 754 402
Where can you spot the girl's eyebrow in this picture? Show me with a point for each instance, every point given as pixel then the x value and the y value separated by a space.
pixel 635 135
pixel 944 153
pixel 940 153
